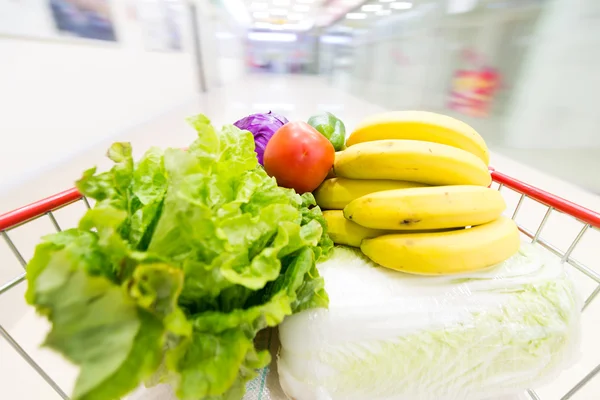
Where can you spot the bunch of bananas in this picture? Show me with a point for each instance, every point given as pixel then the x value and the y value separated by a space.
pixel 412 191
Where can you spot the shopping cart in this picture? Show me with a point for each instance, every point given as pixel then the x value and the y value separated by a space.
pixel 514 191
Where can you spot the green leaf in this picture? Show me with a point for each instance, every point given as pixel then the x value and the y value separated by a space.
pixel 311 212
pixel 255 272
pixel 210 363
pixel 98 187
pixel 142 224
pixel 203 282
pixel 94 325
pixel 148 191
pixel 141 361
pixel 138 190
pixel 112 186
pixel 156 288
pixel 122 171
pixel 186 230
pixel 311 293
pixel 50 245
pixel 237 152
pixel 221 356
pixel 301 282
pixel 107 221
pixel 206 147
pixel 149 179
pixel 250 320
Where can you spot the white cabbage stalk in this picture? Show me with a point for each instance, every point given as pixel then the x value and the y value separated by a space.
pixel 389 335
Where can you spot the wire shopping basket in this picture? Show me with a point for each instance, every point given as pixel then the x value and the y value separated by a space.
pixel 533 209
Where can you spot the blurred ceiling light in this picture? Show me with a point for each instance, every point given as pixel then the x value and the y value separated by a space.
pixel 261 15
pixel 356 16
pixel 281 2
pixel 387 1
pixel 272 37
pixel 401 5
pixel 259 6
pixel 301 8
pixel 382 13
pixel 278 11
pixel 335 39
pixel 295 17
pixel 371 7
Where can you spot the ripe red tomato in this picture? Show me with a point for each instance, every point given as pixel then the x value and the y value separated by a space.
pixel 299 157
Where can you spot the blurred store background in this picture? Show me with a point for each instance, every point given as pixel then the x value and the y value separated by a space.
pixel 75 73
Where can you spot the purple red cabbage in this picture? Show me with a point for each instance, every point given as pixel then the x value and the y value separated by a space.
pixel 263 126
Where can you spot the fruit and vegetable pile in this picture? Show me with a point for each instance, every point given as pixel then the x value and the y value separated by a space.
pixel 188 254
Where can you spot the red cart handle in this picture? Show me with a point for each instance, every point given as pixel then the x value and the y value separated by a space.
pixel 41 207
pixel 575 210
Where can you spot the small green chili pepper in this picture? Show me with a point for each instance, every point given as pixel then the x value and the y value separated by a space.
pixel 330 127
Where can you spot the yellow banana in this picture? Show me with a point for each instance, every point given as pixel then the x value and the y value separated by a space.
pixel 450 252
pixel 336 193
pixel 411 160
pixel 436 207
pixel 347 232
pixel 421 125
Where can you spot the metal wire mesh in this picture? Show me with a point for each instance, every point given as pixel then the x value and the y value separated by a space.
pixel 565 257
pixel 20 278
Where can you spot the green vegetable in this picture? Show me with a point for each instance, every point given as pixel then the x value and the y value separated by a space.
pixel 184 258
pixel 479 335
pixel 330 127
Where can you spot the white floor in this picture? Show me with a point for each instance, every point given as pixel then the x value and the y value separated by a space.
pixel 297 98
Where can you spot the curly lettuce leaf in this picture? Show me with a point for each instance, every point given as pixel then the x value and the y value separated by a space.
pixel 95 325
pixel 185 257
pixel 220 357
pixel 138 190
pixel 217 366
pixel 229 153
pixel 312 212
pixel 148 188
pixel 116 336
pixel 111 187
pixel 83 246
pixel 205 374
pixel 227 217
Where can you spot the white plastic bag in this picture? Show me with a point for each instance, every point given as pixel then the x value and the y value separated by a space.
pixel 388 335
